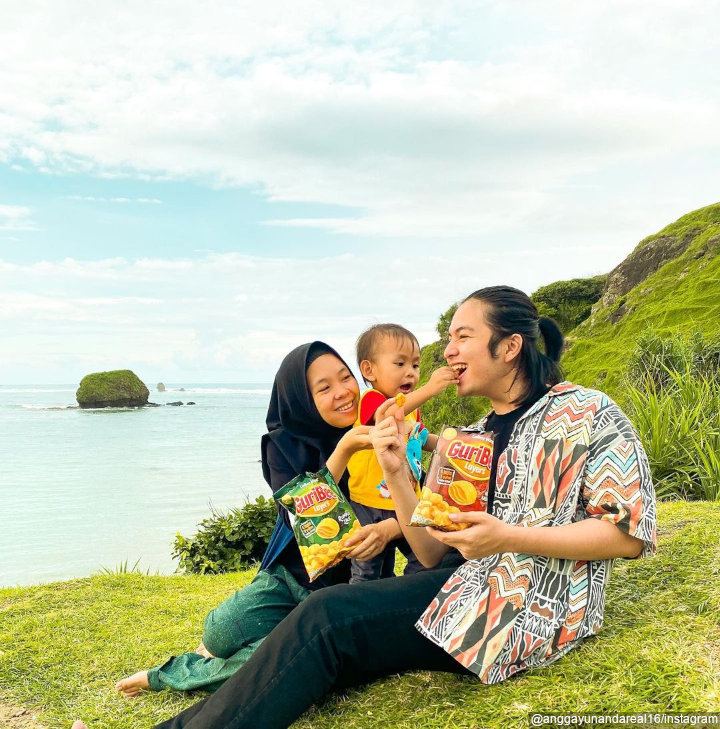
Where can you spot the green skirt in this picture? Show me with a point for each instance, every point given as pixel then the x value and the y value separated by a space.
pixel 233 631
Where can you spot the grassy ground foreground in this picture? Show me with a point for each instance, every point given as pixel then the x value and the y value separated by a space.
pixel 63 646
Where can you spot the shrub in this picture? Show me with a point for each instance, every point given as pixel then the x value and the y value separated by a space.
pixel 673 394
pixel 569 302
pixel 656 357
pixel 227 542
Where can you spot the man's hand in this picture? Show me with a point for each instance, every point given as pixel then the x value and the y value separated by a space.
pixel 487 535
pixel 389 438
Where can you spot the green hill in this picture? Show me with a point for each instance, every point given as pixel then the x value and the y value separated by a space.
pixel 669 283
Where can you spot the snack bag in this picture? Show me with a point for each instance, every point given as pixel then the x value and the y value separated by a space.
pixel 321 518
pixel 457 480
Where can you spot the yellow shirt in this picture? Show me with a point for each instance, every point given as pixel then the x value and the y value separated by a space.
pixel 366 480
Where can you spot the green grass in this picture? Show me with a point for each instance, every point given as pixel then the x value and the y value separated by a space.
pixel 65 645
pixel 684 294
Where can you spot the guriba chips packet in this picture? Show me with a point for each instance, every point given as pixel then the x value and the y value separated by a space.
pixel 457 479
pixel 321 518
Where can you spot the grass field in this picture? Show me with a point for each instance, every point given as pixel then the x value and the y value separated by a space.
pixel 65 645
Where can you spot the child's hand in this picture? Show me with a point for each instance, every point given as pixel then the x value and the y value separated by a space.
pixel 442 378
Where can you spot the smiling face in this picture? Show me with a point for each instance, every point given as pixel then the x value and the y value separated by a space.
pixel 468 352
pixel 395 365
pixel 334 390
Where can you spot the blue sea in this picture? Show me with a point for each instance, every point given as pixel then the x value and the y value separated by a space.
pixel 85 489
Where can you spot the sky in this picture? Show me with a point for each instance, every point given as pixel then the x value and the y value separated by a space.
pixel 191 189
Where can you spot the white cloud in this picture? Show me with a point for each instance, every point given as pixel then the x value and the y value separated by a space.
pixel 233 317
pixel 15 218
pixel 428 119
pixel 121 200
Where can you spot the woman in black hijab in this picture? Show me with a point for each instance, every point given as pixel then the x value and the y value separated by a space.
pixel 313 407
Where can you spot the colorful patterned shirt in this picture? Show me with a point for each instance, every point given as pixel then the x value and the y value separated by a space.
pixel 573 455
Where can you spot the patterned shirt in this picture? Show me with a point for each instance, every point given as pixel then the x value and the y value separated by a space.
pixel 573 455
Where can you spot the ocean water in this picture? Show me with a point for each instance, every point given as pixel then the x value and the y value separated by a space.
pixel 86 489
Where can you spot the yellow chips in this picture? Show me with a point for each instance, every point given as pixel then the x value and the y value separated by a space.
pixel 327 528
pixel 318 557
pixel 462 492
pixel 433 511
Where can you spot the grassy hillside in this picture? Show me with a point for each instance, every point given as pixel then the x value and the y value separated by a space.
pixel 65 645
pixel 684 294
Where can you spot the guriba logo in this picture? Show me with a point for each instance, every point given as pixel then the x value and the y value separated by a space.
pixel 473 461
pixel 316 501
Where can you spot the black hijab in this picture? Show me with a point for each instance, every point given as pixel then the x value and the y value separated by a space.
pixel 294 424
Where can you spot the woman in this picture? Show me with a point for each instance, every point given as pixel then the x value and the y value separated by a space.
pixel 312 408
pixel 571 491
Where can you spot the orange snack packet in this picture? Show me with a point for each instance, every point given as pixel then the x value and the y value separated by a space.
pixel 457 480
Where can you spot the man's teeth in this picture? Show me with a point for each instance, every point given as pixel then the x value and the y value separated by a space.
pixel 459 368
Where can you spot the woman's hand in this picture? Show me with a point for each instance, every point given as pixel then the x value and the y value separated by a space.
pixel 487 535
pixel 356 439
pixel 372 539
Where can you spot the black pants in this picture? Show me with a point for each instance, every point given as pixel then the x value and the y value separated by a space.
pixel 338 637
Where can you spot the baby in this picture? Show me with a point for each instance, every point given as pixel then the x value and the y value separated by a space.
pixel 388 356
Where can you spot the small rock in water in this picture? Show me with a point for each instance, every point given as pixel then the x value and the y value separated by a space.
pixel 160 387
pixel 177 402
pixel 191 403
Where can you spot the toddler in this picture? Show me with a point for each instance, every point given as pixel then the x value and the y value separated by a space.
pixel 388 356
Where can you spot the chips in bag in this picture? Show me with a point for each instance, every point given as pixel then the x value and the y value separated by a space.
pixel 457 479
pixel 321 518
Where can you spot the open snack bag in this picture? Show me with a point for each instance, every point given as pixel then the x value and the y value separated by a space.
pixel 321 518
pixel 457 480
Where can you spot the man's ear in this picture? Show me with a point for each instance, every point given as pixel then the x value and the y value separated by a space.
pixel 513 347
pixel 366 370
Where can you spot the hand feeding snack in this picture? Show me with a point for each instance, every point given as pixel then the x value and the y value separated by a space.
pixel 321 518
pixel 457 480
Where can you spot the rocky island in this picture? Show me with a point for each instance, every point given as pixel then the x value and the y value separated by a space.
pixel 114 389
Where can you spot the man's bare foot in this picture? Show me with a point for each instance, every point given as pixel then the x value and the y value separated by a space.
pixel 203 651
pixel 133 685
pixel 78 725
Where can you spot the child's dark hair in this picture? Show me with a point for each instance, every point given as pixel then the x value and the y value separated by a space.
pixel 511 311
pixel 367 342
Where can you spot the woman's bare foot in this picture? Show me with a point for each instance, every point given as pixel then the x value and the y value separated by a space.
pixel 203 651
pixel 78 725
pixel 133 685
